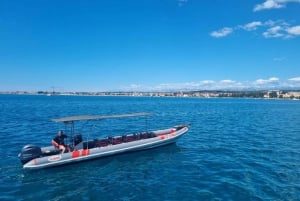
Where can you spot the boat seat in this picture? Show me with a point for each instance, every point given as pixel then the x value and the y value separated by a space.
pixel 50 152
pixel 102 143
pixel 117 140
pixel 144 135
pixel 89 145
pixel 130 138
pixel 137 136
pixel 76 139
pixel 151 135
pixel 110 140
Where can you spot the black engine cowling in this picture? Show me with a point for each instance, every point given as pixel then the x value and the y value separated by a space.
pixel 30 152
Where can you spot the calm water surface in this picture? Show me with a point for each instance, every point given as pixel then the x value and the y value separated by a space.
pixel 236 149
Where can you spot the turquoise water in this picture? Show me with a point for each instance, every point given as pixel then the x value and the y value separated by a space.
pixel 236 149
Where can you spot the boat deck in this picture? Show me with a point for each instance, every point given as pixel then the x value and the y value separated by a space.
pixel 116 140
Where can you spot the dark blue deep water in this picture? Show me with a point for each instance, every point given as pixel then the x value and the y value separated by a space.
pixel 236 149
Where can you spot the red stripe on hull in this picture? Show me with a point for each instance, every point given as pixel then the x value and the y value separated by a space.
pixel 85 152
pixel 75 154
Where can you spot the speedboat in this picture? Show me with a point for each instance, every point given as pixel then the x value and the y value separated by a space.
pixel 35 157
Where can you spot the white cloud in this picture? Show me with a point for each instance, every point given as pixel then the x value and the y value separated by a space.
pixel 227 84
pixel 181 2
pixel 280 29
pixel 267 81
pixel 295 30
pixel 273 79
pixel 295 79
pixel 252 25
pixel 293 82
pixel 273 32
pixel 222 33
pixel 135 86
pixel 260 81
pixel 271 29
pixel 270 23
pixel 268 29
pixel 273 4
pixel 227 81
pixel 207 82
pixel 268 4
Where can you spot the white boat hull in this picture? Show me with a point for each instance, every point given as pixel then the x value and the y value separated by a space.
pixel 159 138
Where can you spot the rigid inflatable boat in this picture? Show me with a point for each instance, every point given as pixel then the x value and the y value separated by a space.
pixel 35 157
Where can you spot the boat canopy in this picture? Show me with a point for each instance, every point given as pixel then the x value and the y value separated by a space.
pixel 97 117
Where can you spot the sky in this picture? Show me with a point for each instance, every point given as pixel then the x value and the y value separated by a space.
pixel 149 45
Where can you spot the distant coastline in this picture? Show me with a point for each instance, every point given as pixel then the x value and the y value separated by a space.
pixel 267 94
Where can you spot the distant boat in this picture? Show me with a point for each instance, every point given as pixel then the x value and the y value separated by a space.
pixel 34 157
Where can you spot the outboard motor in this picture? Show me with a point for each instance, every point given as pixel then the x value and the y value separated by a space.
pixel 30 152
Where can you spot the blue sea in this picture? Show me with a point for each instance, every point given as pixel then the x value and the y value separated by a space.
pixel 236 149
